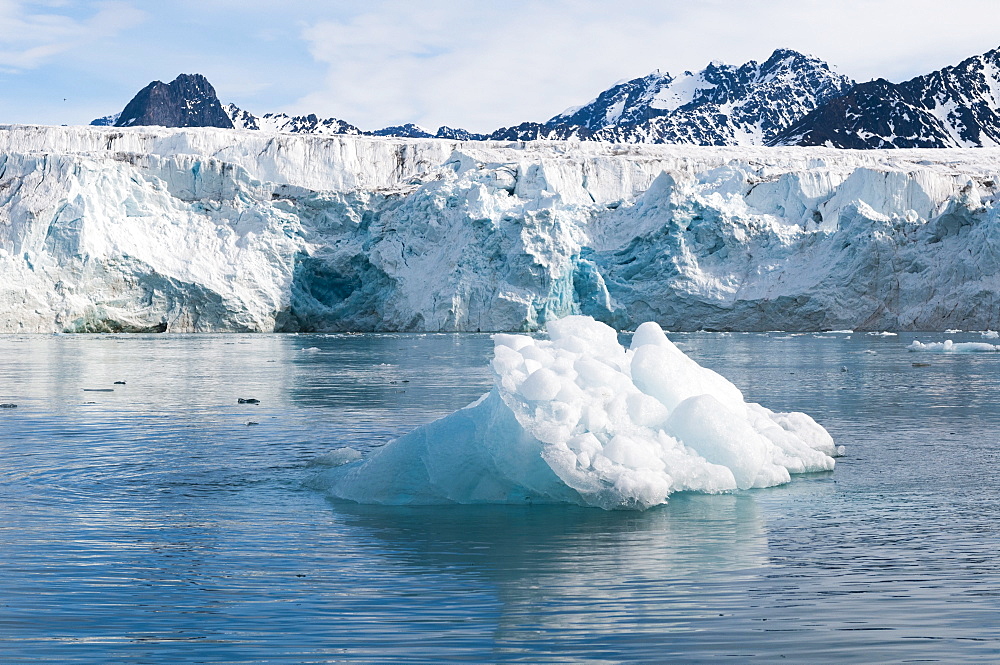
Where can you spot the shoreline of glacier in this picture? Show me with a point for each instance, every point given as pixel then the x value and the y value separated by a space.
pixel 202 230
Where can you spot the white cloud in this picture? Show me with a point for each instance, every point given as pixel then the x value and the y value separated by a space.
pixel 486 64
pixel 32 33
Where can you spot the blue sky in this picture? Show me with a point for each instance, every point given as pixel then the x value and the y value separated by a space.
pixel 478 64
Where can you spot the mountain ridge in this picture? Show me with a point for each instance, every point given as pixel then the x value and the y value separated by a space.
pixel 954 107
pixel 788 99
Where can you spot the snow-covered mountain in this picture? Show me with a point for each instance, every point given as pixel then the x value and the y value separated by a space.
pixel 294 124
pixel 310 124
pixel 720 105
pixel 790 99
pixel 106 121
pixel 953 107
pixel 149 228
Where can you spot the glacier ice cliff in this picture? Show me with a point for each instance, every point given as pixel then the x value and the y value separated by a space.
pixel 580 419
pixel 153 229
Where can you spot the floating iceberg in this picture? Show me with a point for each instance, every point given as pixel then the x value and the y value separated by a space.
pixel 948 346
pixel 580 419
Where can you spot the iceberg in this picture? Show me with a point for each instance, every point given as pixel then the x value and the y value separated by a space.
pixel 950 346
pixel 580 419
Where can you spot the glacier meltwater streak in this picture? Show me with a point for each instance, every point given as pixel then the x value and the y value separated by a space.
pixel 580 419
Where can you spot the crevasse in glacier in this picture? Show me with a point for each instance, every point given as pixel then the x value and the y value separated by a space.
pixel 580 419
pixel 203 229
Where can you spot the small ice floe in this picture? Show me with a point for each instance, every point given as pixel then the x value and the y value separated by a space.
pixel 311 349
pixel 883 333
pixel 842 332
pixel 952 331
pixel 338 457
pixel 871 352
pixel 948 346
pixel 580 419
pixel 990 334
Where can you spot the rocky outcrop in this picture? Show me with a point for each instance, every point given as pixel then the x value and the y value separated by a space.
pixel 187 101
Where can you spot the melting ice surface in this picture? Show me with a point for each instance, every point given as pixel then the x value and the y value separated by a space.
pixel 580 419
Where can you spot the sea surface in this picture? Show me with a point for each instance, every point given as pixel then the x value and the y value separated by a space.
pixel 157 524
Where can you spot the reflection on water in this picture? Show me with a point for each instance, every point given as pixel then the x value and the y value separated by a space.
pixel 578 572
pixel 153 524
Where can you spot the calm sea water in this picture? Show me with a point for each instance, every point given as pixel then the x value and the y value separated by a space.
pixel 153 524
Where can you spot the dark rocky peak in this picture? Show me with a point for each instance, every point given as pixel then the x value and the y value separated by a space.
pixel 789 59
pixel 187 101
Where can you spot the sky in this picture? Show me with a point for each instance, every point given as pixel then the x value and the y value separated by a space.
pixel 476 64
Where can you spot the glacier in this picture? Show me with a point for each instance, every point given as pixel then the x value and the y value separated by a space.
pixel 580 419
pixel 200 230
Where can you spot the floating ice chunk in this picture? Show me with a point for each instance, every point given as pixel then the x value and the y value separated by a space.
pixel 580 419
pixel 990 334
pixel 883 333
pixel 948 346
pixel 337 457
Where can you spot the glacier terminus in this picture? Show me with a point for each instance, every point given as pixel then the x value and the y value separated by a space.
pixel 202 229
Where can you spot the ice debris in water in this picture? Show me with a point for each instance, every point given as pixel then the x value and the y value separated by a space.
pixel 948 346
pixel 580 419
pixel 337 457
